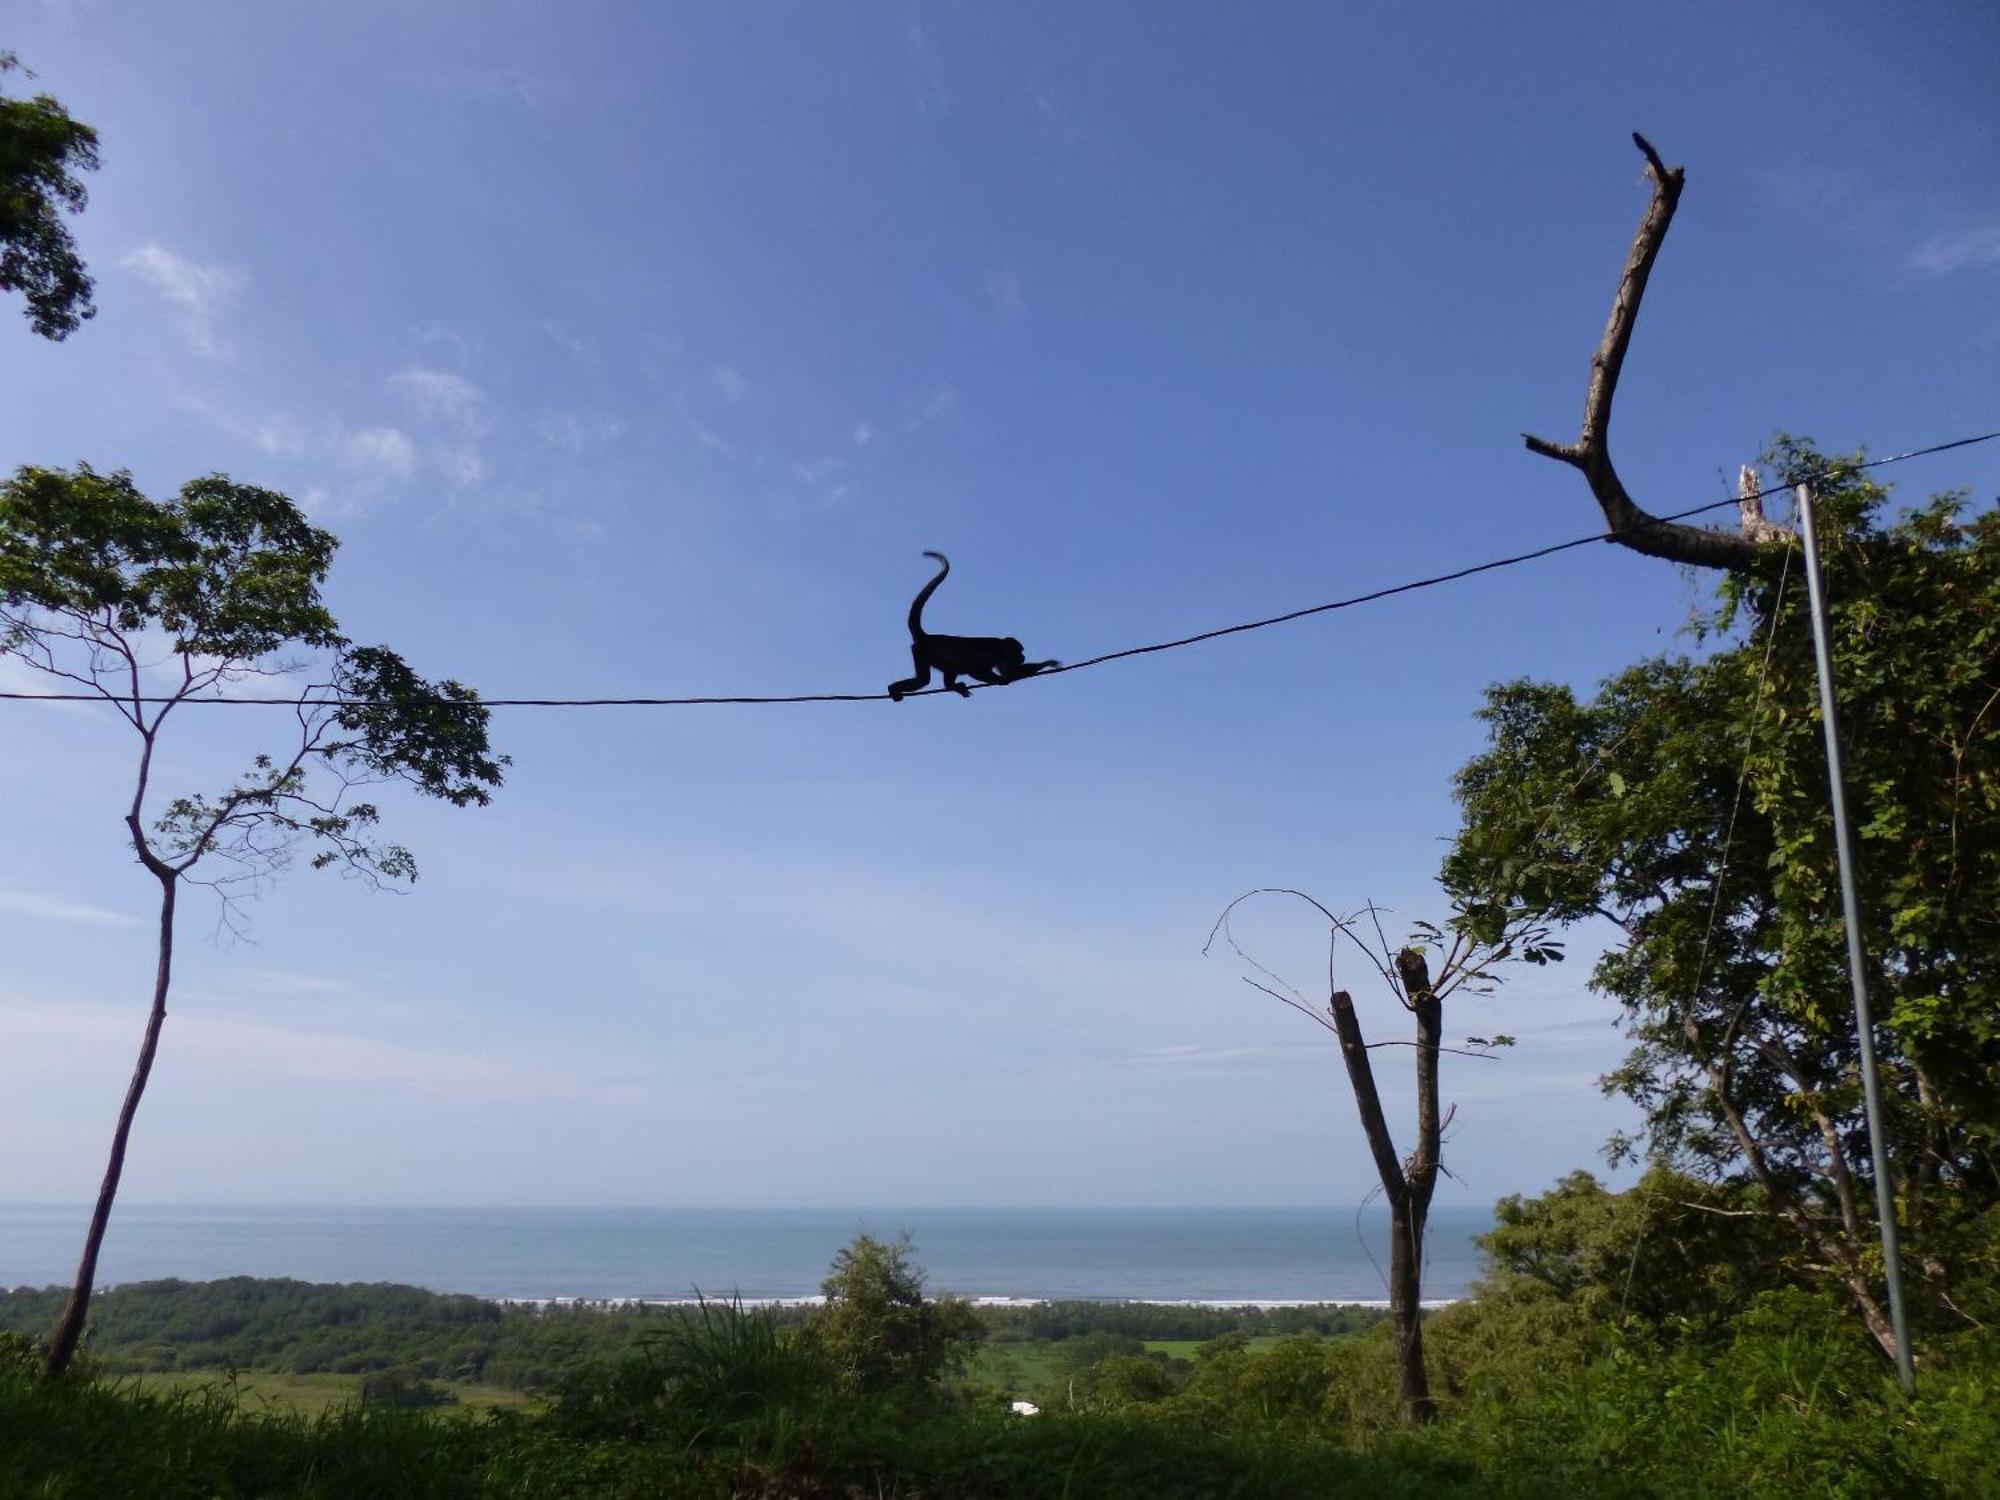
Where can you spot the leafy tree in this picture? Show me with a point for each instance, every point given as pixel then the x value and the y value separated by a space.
pixel 880 1331
pixel 98 583
pixel 41 151
pixel 1113 1381
pixel 1672 1250
pixel 1686 804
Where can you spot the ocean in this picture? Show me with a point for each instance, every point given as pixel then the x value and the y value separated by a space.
pixel 1165 1255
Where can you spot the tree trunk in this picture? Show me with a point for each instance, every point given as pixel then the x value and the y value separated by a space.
pixel 1406 1273
pixel 1408 1186
pixel 62 1347
pixel 1420 1175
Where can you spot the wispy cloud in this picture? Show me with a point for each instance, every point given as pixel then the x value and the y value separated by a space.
pixel 927 83
pixel 577 432
pixel 730 382
pixel 46 908
pixel 456 412
pixel 1201 1061
pixel 574 343
pixel 16 676
pixel 1003 294
pixel 348 1059
pixel 863 434
pixel 1967 250
pixel 381 451
pixel 1054 121
pixel 369 460
pixel 934 406
pixel 199 292
pixel 822 476
pixel 440 395
pixel 279 437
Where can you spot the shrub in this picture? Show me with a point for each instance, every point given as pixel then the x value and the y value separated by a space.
pixel 878 1332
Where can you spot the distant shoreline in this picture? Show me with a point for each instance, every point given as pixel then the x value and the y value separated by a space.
pixel 1212 1258
pixel 1264 1304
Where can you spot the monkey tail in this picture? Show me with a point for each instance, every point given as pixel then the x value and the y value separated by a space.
pixel 924 594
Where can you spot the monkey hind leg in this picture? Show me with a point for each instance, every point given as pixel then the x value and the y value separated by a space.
pixel 912 684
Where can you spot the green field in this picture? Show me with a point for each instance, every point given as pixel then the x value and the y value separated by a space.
pixel 309 1395
pixel 1184 1348
pixel 1026 1369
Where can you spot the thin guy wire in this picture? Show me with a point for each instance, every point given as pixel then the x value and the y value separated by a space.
pixel 1410 587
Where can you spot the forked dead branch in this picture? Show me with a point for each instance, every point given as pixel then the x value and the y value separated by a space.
pixel 1630 524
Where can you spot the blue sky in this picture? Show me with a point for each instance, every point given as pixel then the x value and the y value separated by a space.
pixel 642 349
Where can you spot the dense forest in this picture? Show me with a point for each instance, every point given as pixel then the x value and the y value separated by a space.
pixel 243 1323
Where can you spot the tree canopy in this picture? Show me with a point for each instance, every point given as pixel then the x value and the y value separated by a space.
pixel 1686 804
pixel 93 573
pixel 41 151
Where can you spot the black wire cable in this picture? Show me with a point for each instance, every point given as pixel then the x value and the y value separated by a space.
pixel 1350 602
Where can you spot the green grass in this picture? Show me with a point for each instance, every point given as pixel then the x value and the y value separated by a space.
pixel 310 1395
pixel 1025 1369
pixel 1261 1343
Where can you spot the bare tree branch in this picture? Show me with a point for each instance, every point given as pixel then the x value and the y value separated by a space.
pixel 1627 523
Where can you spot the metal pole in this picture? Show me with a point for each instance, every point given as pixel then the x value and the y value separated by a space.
pixel 1850 905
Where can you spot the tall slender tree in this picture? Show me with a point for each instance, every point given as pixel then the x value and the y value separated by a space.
pixel 154 605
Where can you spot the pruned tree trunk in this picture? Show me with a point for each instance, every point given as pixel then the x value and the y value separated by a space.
pixel 69 1331
pixel 1408 1185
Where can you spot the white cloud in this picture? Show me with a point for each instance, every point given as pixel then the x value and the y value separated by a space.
pixel 1970 249
pixel 440 396
pixel 200 292
pixel 456 411
pixel 863 433
pixel 382 451
pixel 280 437
pixel 730 382
pixel 43 908
pixel 574 432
